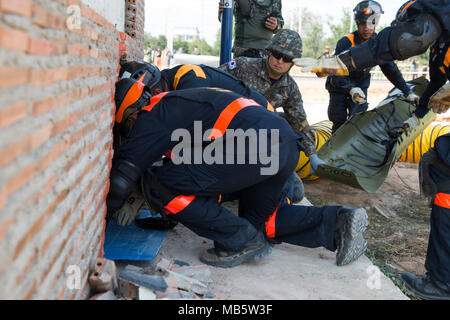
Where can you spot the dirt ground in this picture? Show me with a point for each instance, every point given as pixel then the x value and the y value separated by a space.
pixel 398 230
pixel 397 235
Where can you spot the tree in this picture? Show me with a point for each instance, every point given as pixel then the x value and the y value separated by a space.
pixel 154 42
pixel 203 46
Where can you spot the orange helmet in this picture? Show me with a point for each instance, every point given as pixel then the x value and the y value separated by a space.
pixel 130 93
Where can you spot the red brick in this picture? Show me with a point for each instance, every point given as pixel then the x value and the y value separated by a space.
pixel 22 7
pixel 14 76
pixel 59 46
pixel 14 150
pixel 13 39
pixel 20 179
pixel 39 47
pixel 41 136
pixel 43 106
pixel 61 73
pixel 58 21
pixel 42 17
pixel 13 113
pixel 41 77
pixel 2 199
pixel 74 49
pixel 84 51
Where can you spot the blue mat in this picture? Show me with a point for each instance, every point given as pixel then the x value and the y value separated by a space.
pixel 131 242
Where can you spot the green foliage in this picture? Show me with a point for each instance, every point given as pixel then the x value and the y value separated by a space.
pixel 154 42
pixel 203 47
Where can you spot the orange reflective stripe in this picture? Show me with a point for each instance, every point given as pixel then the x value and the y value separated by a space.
pixel 178 203
pixel 131 97
pixel 442 69
pixel 228 114
pixel 270 224
pixel 447 58
pixel 351 37
pixel 185 69
pixel 154 100
pixel 269 107
pixel 442 200
pixel 407 5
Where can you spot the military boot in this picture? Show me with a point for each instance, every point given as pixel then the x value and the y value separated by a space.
pixel 252 251
pixel 350 226
pixel 426 287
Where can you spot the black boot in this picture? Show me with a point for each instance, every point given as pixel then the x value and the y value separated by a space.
pixel 350 226
pixel 425 287
pixel 252 251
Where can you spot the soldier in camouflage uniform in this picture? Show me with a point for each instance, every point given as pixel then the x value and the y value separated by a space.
pixel 269 76
pixel 255 23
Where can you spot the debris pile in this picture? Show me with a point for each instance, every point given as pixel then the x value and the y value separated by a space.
pixel 172 279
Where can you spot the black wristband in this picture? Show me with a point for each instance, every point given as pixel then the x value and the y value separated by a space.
pixel 346 59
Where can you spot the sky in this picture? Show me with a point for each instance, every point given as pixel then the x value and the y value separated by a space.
pixel 163 15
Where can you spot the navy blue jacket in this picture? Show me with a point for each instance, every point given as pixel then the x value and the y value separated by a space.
pixel 198 76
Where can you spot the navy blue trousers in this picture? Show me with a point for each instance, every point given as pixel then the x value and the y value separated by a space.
pixel 341 107
pixel 437 261
pixel 259 197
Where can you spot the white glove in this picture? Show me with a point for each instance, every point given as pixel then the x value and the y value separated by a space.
pixel 130 209
pixel 358 95
pixel 411 123
pixel 440 101
pixel 324 66
pixel 413 98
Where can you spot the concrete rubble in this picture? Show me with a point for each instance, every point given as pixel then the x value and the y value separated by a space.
pixel 170 279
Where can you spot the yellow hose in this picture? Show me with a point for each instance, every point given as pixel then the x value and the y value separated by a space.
pixel 322 132
pixel 424 142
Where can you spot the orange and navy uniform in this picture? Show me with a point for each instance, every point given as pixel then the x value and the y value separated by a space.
pixel 197 76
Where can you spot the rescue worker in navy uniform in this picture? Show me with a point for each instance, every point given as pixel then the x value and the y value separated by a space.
pixel 186 77
pixel 348 95
pixel 189 193
pixel 419 25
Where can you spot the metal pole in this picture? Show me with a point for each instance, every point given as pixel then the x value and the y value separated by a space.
pixel 227 31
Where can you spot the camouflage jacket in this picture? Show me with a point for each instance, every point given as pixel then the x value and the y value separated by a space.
pixel 283 93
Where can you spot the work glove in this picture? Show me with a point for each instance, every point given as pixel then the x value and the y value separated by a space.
pixel 412 98
pixel 130 210
pixel 440 101
pixel 324 66
pixel 358 95
pixel 410 124
pixel 315 162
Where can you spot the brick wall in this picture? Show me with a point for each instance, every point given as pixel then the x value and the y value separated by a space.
pixel 56 113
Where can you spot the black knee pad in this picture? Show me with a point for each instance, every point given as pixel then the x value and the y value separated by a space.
pixel 414 36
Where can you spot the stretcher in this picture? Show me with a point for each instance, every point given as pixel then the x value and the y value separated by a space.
pixel 364 149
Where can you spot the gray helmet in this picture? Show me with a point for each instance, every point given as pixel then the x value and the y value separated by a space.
pixel 368 12
pixel 287 42
pixel 142 71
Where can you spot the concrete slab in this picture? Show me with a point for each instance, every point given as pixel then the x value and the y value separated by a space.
pixel 289 272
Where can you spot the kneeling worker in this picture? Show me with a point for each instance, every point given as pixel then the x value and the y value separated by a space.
pixel 188 187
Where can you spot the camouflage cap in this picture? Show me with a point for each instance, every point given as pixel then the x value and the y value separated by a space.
pixel 287 42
